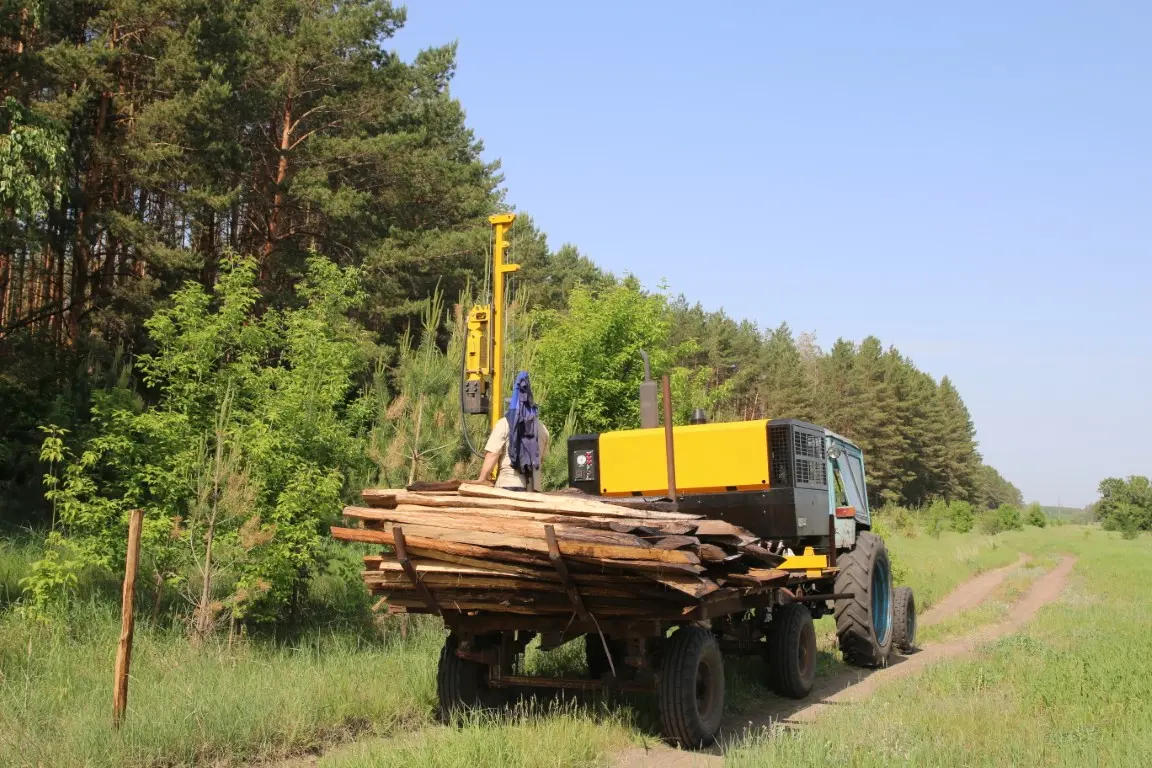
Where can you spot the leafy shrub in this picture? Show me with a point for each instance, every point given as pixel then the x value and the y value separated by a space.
pixel 1125 505
pixel 961 516
pixel 242 461
pixel 1035 515
pixel 1009 516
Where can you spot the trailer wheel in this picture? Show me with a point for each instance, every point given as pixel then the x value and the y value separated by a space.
pixel 462 685
pixel 691 687
pixel 864 621
pixel 904 619
pixel 791 650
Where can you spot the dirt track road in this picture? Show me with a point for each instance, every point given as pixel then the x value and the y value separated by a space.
pixel 856 685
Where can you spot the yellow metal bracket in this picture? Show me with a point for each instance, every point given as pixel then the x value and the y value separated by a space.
pixel 810 562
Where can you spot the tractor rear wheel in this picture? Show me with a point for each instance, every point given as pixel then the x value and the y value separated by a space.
pixel 791 651
pixel 691 688
pixel 864 621
pixel 904 619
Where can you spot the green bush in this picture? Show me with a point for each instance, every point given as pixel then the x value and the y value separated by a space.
pixel 1010 519
pixel 961 516
pixel 1035 515
pixel 241 462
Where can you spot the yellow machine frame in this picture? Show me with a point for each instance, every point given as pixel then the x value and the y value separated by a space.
pixel 484 346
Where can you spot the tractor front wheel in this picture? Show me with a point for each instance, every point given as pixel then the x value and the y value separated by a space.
pixel 904 619
pixel 791 651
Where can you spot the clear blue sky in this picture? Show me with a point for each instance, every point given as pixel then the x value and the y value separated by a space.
pixel 971 184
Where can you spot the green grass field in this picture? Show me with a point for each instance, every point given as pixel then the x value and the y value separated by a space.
pixel 1073 688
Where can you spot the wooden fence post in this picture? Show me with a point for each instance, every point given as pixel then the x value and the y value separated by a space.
pixel 124 650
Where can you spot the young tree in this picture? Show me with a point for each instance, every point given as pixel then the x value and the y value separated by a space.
pixel 1035 516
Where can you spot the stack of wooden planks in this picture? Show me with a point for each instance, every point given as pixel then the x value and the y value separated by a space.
pixel 466 547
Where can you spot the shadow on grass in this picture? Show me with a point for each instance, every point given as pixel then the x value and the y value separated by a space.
pixel 750 706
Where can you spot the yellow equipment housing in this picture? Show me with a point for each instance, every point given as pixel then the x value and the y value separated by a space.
pixel 710 458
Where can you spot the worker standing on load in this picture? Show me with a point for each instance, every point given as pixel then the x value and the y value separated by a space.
pixel 518 443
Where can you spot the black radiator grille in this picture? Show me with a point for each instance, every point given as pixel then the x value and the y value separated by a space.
pixel 778 450
pixel 811 468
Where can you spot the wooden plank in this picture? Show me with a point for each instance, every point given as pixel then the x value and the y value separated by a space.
pixel 673 542
pixel 408 514
pixel 437 548
pixel 500 547
pixel 441 581
pixel 710 553
pixel 687 584
pixel 769 575
pixel 410 572
pixel 762 555
pixel 533 510
pixel 711 527
pixel 568 546
pixel 568 505
pixel 452 599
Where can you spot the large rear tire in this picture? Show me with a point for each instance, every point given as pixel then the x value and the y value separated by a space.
pixel 864 621
pixel 904 619
pixel 791 651
pixel 462 685
pixel 691 688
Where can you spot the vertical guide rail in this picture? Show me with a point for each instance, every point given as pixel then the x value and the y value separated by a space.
pixel 501 223
pixel 668 442
pixel 402 557
pixel 127 620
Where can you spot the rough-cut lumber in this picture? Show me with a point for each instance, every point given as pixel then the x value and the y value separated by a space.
pixel 719 528
pixel 456 504
pixel 435 486
pixel 425 537
pixel 478 548
pixel 569 546
pixel 426 547
pixel 673 542
pixel 769 575
pixel 687 584
pixel 567 504
pixel 436 582
pixel 408 515
pixel 762 555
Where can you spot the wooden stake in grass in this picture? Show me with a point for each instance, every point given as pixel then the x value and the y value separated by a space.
pixel 124 650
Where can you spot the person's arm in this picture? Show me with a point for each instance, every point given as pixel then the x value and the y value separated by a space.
pixel 494 451
pixel 490 460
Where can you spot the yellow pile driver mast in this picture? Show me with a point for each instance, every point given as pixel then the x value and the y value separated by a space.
pixel 484 347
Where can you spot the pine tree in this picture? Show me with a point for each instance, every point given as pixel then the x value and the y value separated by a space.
pixel 961 462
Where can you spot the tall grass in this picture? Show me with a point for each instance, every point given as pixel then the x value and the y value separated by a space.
pixel 1073 688
pixel 194 705
pixel 548 737
pixel 308 689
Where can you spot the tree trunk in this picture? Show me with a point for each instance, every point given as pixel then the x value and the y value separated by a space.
pixel 278 196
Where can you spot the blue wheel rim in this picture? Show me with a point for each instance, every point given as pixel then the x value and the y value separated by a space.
pixel 881 600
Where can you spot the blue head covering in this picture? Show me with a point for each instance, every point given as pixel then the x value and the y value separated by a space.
pixel 523 427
